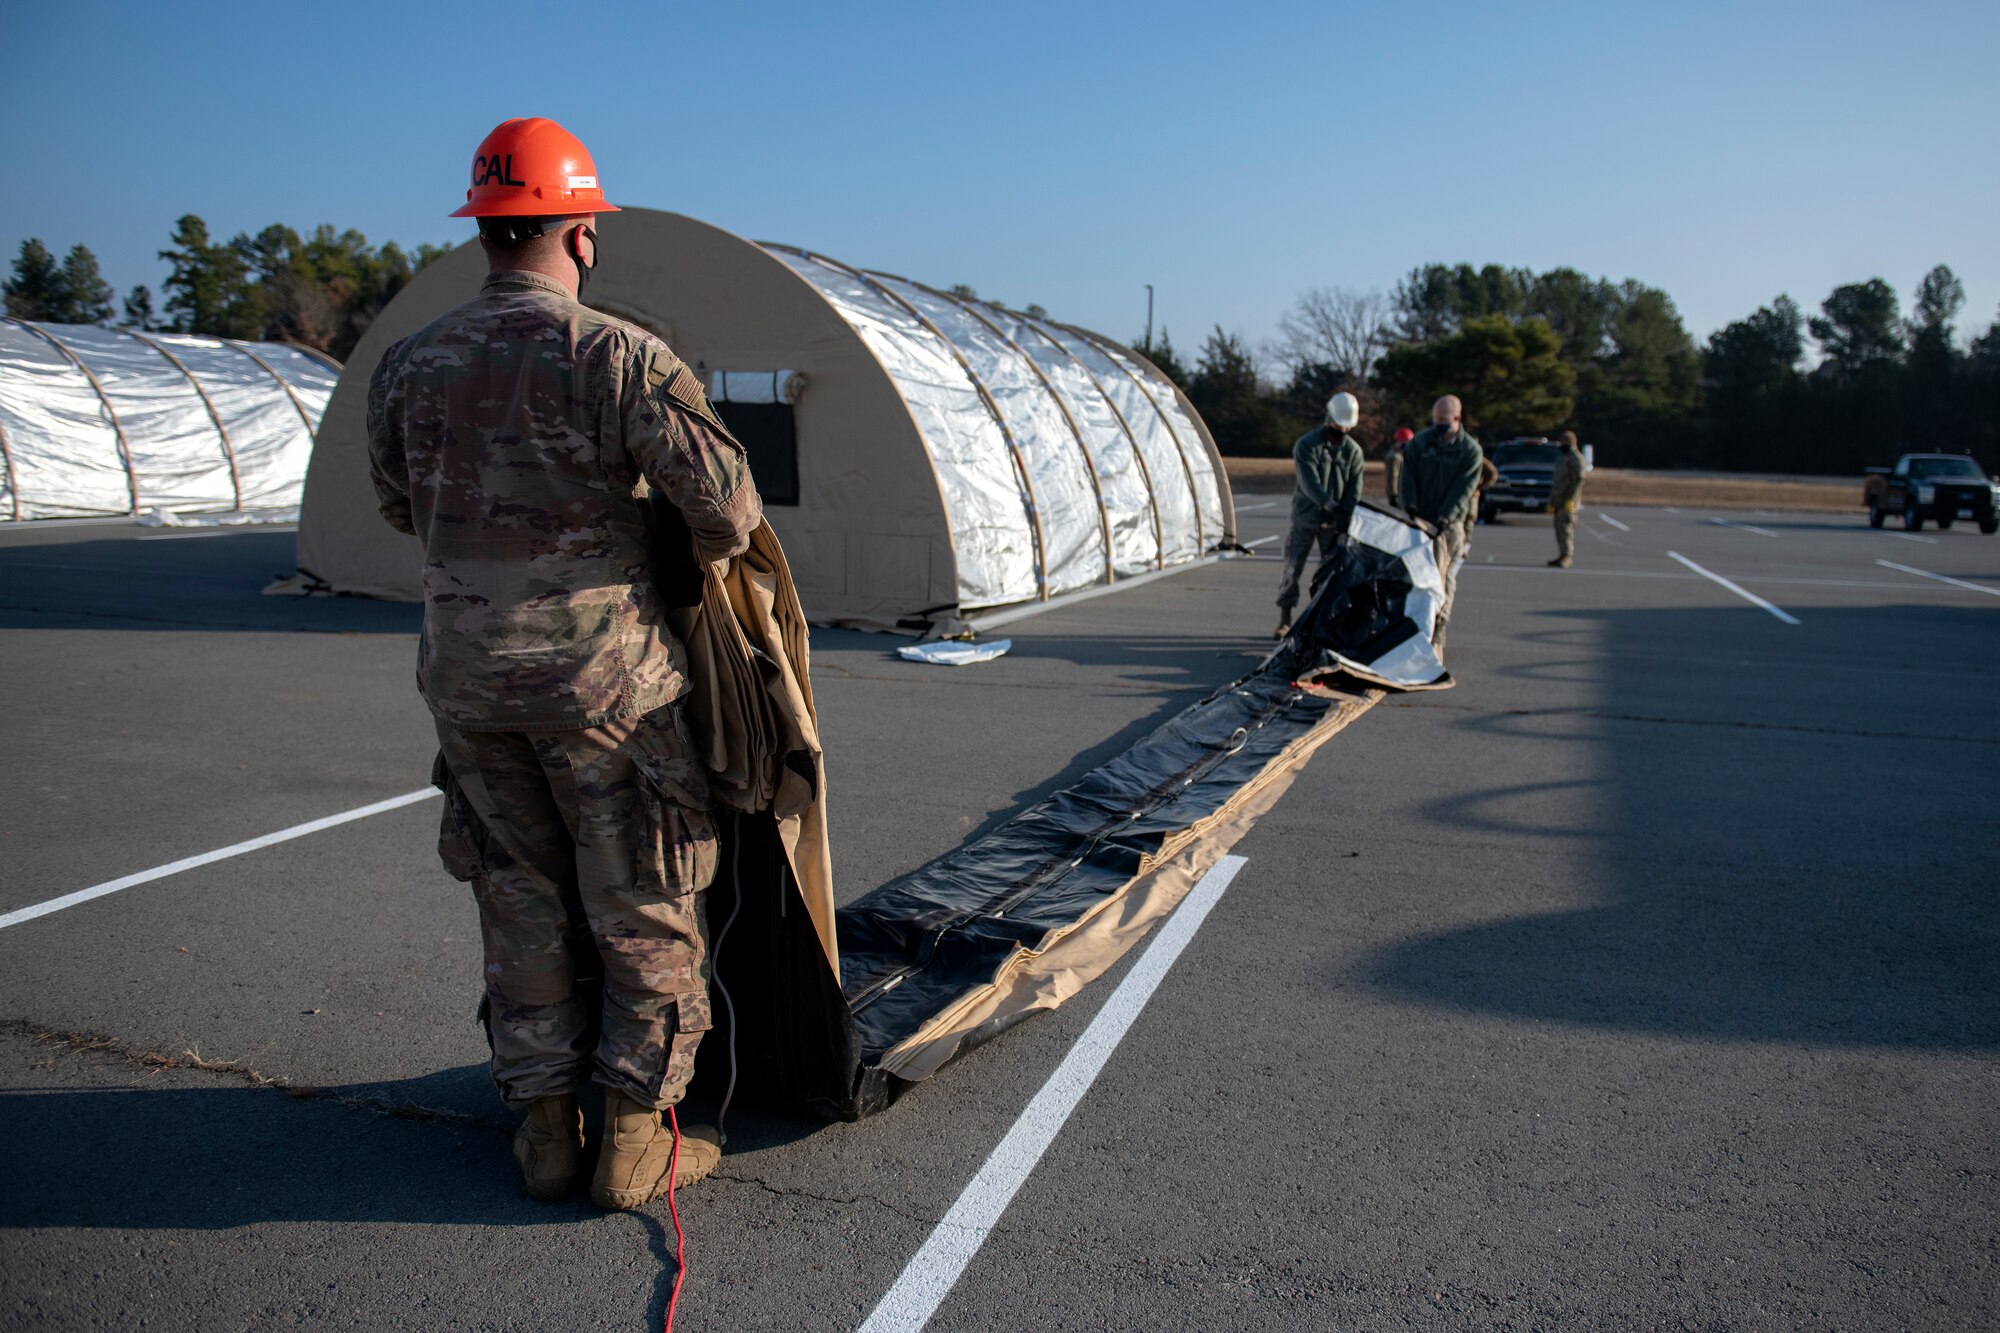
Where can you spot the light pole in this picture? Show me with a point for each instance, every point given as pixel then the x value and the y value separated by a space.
pixel 1149 314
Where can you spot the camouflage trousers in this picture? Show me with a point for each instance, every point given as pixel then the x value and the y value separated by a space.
pixel 1449 546
pixel 1298 546
pixel 1565 516
pixel 588 852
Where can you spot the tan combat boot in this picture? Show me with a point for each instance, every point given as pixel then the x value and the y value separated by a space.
pixel 637 1150
pixel 549 1147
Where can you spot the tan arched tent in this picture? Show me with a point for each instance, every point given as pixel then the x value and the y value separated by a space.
pixel 922 457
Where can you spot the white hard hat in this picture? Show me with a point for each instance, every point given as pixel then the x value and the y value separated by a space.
pixel 1343 411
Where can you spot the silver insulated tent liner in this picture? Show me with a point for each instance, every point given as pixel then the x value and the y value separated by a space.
pixel 1058 456
pixel 101 421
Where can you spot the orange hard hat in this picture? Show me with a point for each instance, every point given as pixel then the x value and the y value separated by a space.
pixel 532 167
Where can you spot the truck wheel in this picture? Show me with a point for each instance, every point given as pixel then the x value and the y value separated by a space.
pixel 1989 526
pixel 1875 515
pixel 1913 519
pixel 1944 525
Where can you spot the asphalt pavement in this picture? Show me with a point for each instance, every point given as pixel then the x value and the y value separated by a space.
pixel 1650 978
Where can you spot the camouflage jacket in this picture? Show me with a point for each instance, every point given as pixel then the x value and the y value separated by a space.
pixel 520 438
pixel 1441 475
pixel 1327 464
pixel 1566 488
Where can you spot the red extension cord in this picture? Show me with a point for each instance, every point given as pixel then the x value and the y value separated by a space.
pixel 680 1237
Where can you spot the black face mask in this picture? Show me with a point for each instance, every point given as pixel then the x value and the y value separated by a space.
pixel 576 257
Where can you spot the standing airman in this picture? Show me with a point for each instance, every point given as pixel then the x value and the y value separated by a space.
pixel 1565 498
pixel 520 439
pixel 1326 462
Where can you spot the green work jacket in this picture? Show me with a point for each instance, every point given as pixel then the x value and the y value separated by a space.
pixel 1441 475
pixel 1328 464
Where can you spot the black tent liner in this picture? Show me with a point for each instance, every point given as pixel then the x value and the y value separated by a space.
pixel 916 947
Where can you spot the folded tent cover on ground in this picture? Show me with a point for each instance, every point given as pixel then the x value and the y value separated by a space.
pixel 921 456
pixel 101 421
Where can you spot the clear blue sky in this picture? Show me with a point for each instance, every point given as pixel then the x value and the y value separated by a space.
pixel 1065 153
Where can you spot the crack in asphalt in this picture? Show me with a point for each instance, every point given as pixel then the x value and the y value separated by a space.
pixel 97 1043
pixel 794 1192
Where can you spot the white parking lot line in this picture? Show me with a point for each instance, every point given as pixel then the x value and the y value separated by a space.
pixel 1259 542
pixel 1904 536
pixel 19 915
pixel 1941 578
pixel 1251 509
pixel 1612 521
pixel 929 1276
pixel 1746 595
pixel 1747 527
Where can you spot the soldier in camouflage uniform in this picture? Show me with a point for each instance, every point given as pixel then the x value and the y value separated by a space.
pixel 1565 497
pixel 1392 466
pixel 520 438
pixel 1440 484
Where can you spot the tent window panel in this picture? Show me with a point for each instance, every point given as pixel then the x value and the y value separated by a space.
pixel 769 435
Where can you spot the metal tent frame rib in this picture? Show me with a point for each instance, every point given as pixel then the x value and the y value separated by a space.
pixel 1035 522
pixel 228 449
pixel 166 359
pixel 1076 432
pixel 1110 352
pixel 110 412
pixel 13 482
pixel 1138 454
pixel 1019 366
pixel 300 407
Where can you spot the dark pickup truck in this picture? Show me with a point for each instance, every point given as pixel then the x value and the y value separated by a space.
pixel 1940 488
pixel 1526 467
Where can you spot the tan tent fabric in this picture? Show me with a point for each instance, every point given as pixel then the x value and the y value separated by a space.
pixel 1070 958
pixel 750 701
pixel 909 454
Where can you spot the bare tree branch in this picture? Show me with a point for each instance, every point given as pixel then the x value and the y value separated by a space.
pixel 1337 327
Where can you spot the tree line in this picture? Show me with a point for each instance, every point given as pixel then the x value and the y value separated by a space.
pixel 1533 353
pixel 320 290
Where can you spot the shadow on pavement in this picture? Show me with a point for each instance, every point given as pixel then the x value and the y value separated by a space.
pixel 204 583
pixel 1781 856
pixel 208 1157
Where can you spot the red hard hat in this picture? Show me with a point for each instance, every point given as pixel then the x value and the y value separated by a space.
pixel 532 167
pixel 1405 435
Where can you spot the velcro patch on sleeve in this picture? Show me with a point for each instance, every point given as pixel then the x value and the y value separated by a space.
pixel 682 385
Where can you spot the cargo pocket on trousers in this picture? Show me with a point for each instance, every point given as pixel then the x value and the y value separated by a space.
pixel 679 853
pixel 460 835
pixel 692 1018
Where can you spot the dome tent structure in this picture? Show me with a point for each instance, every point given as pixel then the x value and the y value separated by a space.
pixel 99 421
pixel 921 456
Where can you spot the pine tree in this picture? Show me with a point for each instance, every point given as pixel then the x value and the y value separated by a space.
pixel 1229 395
pixel 35 290
pixel 208 290
pixel 139 308
pixel 87 297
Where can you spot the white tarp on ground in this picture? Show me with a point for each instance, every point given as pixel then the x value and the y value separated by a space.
pixel 97 421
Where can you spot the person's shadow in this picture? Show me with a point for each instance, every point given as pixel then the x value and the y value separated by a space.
pixel 192 1155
